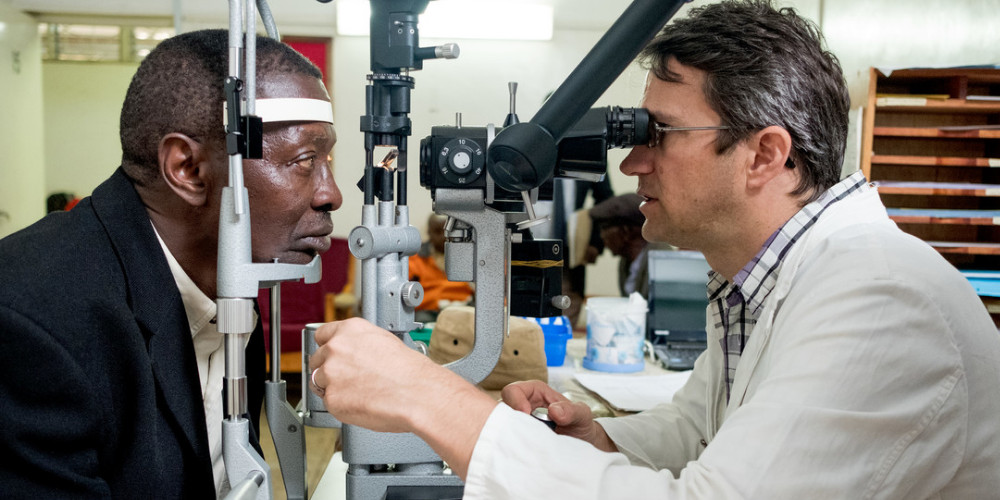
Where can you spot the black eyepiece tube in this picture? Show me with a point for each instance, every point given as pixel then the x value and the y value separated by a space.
pixel 523 156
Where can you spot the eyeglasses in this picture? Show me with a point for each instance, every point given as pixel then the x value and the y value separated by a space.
pixel 660 130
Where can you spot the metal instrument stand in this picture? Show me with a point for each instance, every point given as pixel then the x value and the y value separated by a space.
pixel 238 277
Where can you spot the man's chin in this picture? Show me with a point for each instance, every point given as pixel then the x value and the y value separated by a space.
pixel 292 257
pixel 302 257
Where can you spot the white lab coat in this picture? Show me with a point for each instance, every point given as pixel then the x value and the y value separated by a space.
pixel 873 372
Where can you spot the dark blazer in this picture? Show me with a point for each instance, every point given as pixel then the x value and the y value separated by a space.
pixel 99 388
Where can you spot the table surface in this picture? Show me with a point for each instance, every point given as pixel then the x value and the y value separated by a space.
pixel 562 378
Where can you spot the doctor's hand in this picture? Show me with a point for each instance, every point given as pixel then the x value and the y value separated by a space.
pixel 571 419
pixel 367 376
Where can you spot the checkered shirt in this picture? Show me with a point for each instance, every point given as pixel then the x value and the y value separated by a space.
pixel 736 306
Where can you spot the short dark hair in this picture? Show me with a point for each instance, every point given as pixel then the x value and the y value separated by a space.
pixel 764 66
pixel 620 210
pixel 57 201
pixel 178 88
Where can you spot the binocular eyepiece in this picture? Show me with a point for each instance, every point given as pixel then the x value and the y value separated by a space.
pixel 456 157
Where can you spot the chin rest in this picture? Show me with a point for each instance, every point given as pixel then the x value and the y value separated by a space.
pixel 330 299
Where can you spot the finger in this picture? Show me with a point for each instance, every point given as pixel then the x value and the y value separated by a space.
pixel 515 397
pixel 527 395
pixel 317 358
pixel 567 413
pixel 326 331
pixel 550 396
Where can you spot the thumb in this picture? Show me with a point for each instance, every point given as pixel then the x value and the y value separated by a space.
pixel 561 413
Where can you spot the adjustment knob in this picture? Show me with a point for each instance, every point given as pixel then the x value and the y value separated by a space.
pixel 461 161
pixel 447 51
pixel 412 294
pixel 561 302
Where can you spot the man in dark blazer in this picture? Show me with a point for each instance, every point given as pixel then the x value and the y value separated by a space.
pixel 102 386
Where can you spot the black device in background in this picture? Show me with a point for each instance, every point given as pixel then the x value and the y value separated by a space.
pixel 535 277
pixel 675 323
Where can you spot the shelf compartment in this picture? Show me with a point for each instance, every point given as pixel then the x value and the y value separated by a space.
pixel 992 305
pixel 974 74
pixel 917 104
pixel 938 188
pixel 945 216
pixel 935 161
pixel 986 283
pixel 936 133
pixel 966 248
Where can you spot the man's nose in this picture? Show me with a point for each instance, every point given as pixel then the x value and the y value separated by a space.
pixel 637 162
pixel 328 196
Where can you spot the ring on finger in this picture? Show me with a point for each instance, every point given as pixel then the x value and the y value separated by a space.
pixel 313 379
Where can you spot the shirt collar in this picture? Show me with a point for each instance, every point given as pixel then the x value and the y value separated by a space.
pixel 199 307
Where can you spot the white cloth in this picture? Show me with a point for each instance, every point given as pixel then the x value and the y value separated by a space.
pixel 873 373
pixel 210 353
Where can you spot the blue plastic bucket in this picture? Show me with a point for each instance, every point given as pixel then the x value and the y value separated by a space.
pixel 557 331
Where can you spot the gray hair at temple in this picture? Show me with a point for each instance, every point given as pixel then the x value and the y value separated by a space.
pixel 764 67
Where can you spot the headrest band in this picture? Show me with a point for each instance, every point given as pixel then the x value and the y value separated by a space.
pixel 289 109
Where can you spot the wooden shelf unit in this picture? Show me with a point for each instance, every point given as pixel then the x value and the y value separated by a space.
pixel 931 142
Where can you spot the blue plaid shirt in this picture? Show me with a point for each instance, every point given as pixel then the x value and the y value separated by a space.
pixel 736 306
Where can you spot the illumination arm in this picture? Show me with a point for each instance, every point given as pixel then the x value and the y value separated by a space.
pixel 523 156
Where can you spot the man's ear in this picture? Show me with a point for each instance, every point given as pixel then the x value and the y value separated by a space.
pixel 184 167
pixel 771 148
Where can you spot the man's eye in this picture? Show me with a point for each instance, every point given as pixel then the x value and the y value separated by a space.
pixel 307 163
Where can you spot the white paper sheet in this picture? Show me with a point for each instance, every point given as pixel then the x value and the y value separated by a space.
pixel 634 393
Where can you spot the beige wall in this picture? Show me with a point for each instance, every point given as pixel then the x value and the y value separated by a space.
pixel 22 155
pixel 82 105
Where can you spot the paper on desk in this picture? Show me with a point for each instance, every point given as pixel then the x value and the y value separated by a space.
pixel 634 393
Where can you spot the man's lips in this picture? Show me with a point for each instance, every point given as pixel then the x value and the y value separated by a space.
pixel 318 240
pixel 317 243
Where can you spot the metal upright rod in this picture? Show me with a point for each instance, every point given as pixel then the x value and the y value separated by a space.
pixel 275 296
pixel 250 39
pixel 235 71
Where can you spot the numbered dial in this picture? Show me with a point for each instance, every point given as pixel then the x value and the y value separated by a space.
pixel 461 161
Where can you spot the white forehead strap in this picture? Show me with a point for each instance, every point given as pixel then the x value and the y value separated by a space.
pixel 289 109
pixel 294 109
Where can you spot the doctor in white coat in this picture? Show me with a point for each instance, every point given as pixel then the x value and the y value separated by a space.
pixel 846 358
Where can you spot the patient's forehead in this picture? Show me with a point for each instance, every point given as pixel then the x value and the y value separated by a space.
pixel 291 85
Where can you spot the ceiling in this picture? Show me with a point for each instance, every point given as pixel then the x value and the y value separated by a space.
pixel 569 14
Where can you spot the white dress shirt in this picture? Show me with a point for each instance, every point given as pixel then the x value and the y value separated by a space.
pixel 210 353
